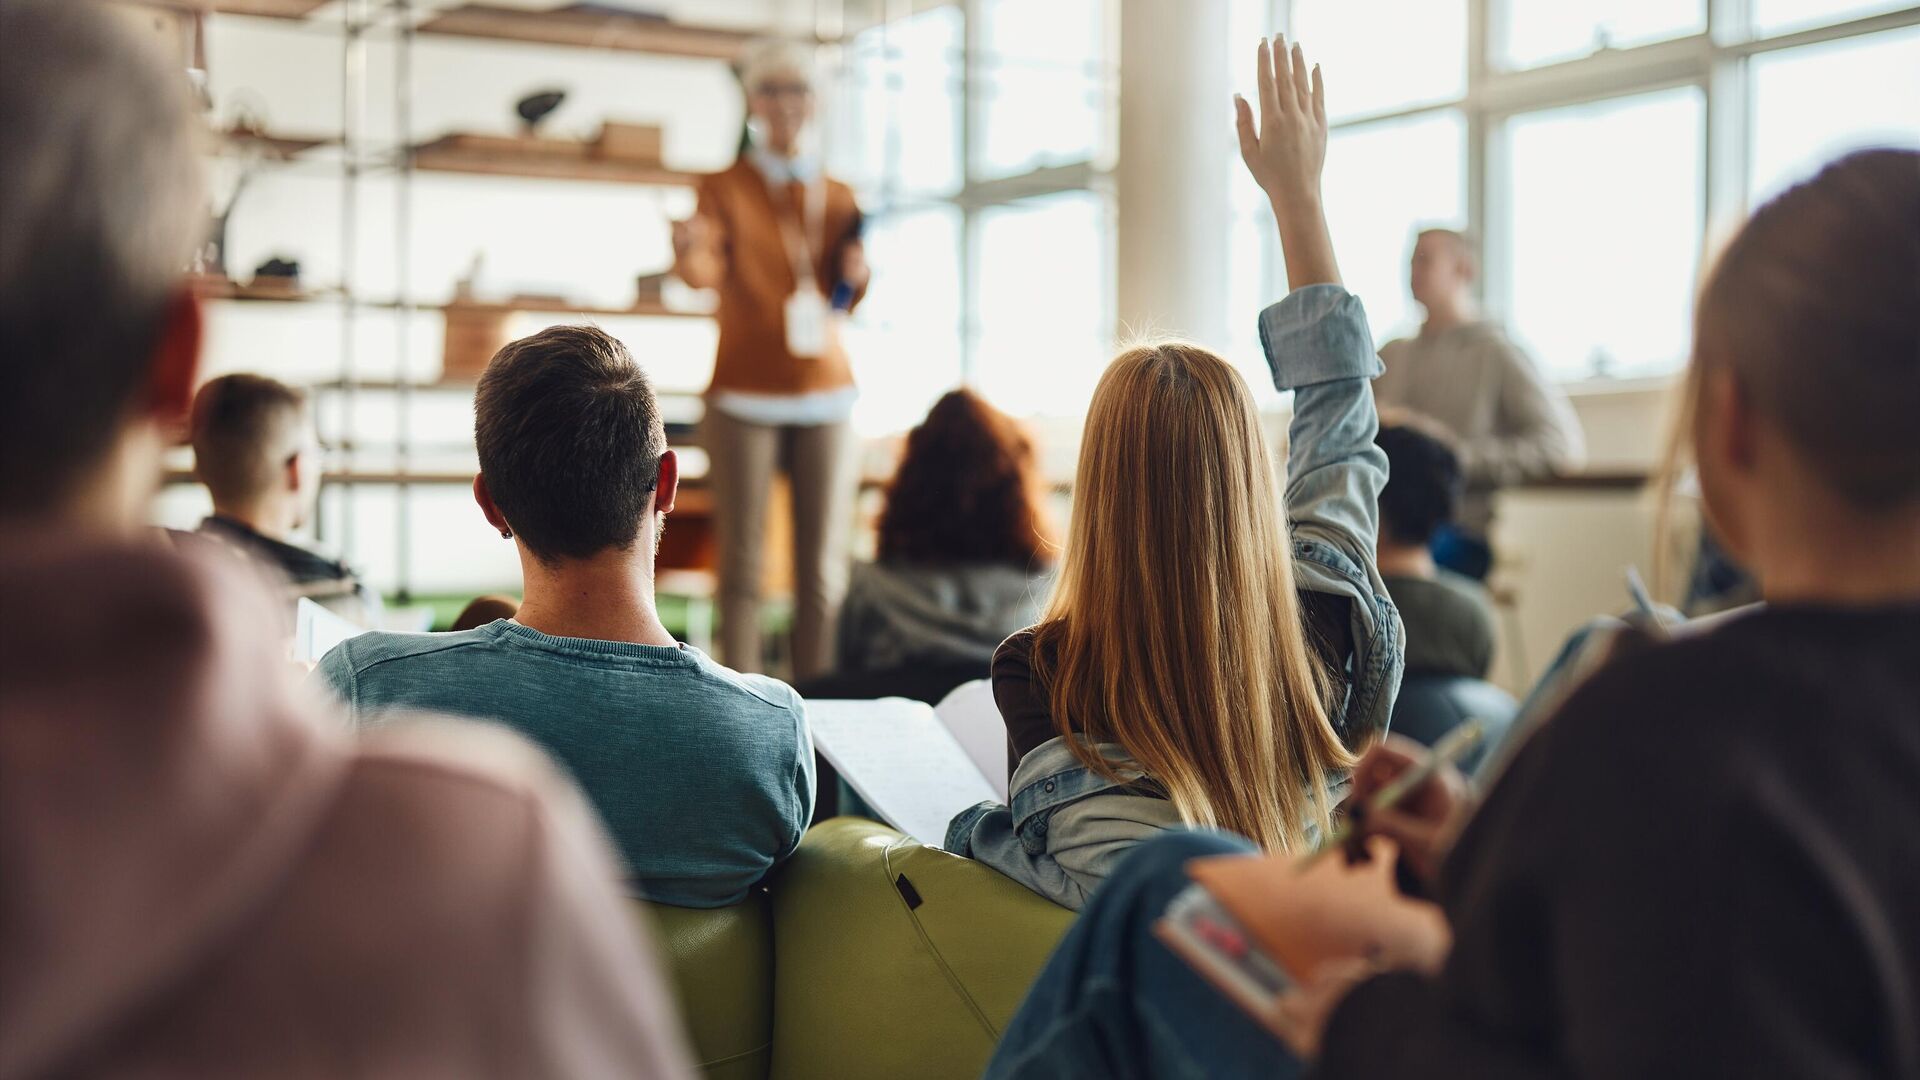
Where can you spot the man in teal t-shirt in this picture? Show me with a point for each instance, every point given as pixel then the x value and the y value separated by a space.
pixel 703 775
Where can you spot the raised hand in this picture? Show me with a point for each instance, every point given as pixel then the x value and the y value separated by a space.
pixel 1286 148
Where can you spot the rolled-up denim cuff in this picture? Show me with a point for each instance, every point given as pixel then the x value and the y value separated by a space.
pixel 1318 335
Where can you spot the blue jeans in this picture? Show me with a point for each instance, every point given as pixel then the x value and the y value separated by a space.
pixel 1113 1002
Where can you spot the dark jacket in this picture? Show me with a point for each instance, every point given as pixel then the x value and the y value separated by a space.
pixel 1706 864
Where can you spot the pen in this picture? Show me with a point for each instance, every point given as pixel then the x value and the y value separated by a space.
pixel 1445 752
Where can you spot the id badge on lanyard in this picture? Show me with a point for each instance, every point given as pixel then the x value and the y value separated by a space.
pixel 806 320
pixel 805 314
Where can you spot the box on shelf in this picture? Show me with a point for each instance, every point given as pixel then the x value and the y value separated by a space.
pixel 474 333
pixel 629 142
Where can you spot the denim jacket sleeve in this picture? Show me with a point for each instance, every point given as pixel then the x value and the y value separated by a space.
pixel 1067 827
pixel 1318 346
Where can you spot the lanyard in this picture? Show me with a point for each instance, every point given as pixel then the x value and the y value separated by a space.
pixel 799 238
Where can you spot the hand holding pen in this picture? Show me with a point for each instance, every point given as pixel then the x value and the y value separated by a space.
pixel 1411 795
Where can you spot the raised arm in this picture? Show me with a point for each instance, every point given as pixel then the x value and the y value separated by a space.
pixel 1316 340
pixel 1285 150
pixel 1318 346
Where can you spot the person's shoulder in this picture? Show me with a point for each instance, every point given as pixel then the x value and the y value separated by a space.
pixel 1466 589
pixel 841 193
pixel 1490 337
pixel 744 688
pixel 1651 698
pixel 375 648
pixel 1016 650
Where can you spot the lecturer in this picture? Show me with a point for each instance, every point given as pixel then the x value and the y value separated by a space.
pixel 781 244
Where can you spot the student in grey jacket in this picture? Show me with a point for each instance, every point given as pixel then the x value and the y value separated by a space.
pixel 1214 653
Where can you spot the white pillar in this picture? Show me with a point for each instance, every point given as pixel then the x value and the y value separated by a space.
pixel 1176 139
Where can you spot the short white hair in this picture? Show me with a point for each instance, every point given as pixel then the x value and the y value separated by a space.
pixel 774 58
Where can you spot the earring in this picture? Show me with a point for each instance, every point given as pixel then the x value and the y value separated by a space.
pixel 506 534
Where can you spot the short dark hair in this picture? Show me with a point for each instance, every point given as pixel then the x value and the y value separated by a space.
pixel 100 206
pixel 1424 483
pixel 570 440
pixel 244 428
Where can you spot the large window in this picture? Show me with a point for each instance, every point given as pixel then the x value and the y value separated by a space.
pixel 1384 182
pixel 975 134
pixel 1602 253
pixel 1781 16
pixel 1045 316
pixel 1041 70
pixel 1595 149
pixel 1814 103
pixel 1390 53
pixel 1534 33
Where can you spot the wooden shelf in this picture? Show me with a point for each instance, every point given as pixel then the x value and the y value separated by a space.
pixel 650 309
pixel 582 26
pixel 271 9
pixel 277 290
pixel 214 288
pixel 279 147
pixel 447 155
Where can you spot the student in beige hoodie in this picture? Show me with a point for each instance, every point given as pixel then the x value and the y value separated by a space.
pixel 201 872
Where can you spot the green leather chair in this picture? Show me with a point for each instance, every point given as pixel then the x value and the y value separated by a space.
pixel 870 955
pixel 893 959
pixel 720 961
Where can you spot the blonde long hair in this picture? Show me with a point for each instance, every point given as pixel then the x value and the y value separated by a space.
pixel 1174 628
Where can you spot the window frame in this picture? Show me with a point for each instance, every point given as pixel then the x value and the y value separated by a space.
pixel 1715 60
pixel 980 192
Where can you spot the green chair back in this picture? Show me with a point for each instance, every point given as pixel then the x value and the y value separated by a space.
pixel 892 959
pixel 721 964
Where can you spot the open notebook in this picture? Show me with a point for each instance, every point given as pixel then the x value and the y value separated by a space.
pixel 899 758
pixel 317 630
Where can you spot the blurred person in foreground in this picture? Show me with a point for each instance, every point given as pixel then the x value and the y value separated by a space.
pixel 1464 373
pixel 965 556
pixel 201 872
pixel 253 448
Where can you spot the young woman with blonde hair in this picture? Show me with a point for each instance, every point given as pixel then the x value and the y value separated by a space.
pixel 1215 650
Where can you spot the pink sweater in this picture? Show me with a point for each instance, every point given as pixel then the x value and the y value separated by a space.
pixel 203 874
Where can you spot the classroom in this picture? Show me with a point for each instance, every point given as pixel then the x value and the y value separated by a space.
pixel 845 539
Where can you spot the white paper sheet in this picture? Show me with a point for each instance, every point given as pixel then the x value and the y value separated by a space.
pixel 317 630
pixel 895 755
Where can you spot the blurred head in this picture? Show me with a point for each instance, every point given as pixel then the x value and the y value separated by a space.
pixel 1443 267
pixel 1174 628
pixel 252 446
pixel 1424 484
pixel 779 80
pixel 966 492
pixel 101 205
pixel 573 455
pixel 1805 380
pixel 482 610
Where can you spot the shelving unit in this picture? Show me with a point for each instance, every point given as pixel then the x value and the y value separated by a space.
pixel 351 154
